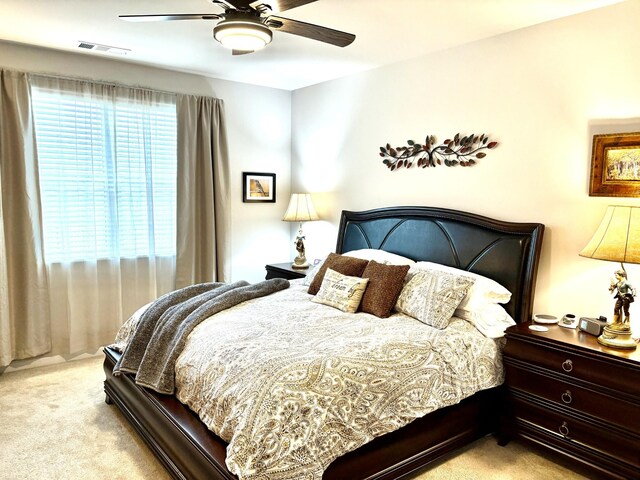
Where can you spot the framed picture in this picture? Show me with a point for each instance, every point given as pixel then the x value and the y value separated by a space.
pixel 615 165
pixel 258 187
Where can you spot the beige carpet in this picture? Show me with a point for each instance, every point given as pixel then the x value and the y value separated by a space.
pixel 54 424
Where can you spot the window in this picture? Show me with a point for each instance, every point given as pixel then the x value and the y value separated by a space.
pixel 107 175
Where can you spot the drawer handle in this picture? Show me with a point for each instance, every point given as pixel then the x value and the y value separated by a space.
pixel 564 429
pixel 566 397
pixel 567 365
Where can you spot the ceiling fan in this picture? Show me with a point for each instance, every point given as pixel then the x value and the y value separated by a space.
pixel 246 26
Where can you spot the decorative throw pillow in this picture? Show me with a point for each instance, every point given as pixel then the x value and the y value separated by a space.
pixel 341 291
pixel 432 296
pixel 484 290
pixel 385 284
pixel 350 266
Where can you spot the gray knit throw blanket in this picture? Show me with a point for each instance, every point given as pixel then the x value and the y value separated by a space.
pixel 163 328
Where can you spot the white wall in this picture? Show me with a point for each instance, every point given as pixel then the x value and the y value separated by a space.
pixel 541 92
pixel 258 130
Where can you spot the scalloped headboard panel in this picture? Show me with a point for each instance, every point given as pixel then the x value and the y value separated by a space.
pixel 507 252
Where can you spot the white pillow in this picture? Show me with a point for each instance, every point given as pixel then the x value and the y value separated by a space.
pixel 341 291
pixel 491 321
pixel 484 290
pixel 380 256
pixel 431 296
pixel 311 274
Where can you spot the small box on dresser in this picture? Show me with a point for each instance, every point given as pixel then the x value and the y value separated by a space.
pixel 567 393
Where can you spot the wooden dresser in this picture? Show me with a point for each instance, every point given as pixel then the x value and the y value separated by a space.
pixel 567 393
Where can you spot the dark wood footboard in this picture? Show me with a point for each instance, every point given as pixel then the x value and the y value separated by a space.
pixel 174 433
pixel 189 450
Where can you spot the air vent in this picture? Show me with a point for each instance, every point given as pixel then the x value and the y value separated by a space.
pixel 96 47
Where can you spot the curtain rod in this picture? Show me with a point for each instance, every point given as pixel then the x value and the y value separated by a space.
pixel 90 80
pixel 101 82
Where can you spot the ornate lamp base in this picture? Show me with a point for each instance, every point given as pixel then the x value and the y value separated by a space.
pixel 617 338
pixel 300 263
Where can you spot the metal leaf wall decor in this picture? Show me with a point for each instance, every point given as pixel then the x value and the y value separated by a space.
pixel 461 150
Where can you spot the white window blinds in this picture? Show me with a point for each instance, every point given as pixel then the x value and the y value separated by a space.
pixel 107 164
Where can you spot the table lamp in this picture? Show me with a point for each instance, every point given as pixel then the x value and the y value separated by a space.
pixel 300 209
pixel 617 239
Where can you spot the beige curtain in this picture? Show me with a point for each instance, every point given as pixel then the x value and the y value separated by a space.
pixel 24 309
pixel 66 307
pixel 203 221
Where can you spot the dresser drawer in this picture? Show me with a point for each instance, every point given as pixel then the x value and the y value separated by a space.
pixel 575 365
pixel 582 434
pixel 569 396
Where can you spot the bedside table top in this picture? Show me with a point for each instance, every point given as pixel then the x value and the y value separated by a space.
pixel 285 270
pixel 287 267
pixel 571 338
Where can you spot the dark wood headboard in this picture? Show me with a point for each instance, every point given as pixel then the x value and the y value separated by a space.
pixel 507 252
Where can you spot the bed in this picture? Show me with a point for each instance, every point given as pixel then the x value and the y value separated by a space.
pixel 503 251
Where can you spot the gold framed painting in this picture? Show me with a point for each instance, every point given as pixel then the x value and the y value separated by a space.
pixel 615 165
pixel 258 187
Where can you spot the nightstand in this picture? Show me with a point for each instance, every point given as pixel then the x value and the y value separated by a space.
pixel 284 270
pixel 567 393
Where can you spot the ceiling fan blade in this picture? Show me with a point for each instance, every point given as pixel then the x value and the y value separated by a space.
pixel 309 30
pixel 170 16
pixel 283 5
pixel 241 52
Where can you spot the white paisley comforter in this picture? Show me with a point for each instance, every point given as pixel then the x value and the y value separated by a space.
pixel 291 384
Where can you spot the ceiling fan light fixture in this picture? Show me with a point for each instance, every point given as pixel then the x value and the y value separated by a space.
pixel 244 35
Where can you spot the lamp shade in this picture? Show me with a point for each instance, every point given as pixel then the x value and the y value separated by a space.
pixel 300 209
pixel 618 237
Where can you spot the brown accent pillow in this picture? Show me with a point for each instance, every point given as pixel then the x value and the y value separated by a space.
pixel 385 285
pixel 350 266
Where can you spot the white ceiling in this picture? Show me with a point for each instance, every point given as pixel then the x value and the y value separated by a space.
pixel 387 31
